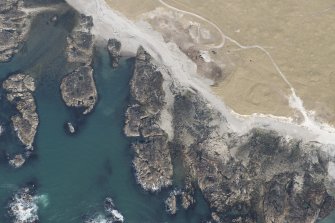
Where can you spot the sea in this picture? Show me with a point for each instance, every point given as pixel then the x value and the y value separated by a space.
pixel 74 174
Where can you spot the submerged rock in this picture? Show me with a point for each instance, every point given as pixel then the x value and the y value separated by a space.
pixel 78 88
pixel 114 48
pixel 171 204
pixel 20 88
pixel 152 159
pixel 14 26
pixel 17 161
pixel 111 215
pixel 23 206
pixel 70 128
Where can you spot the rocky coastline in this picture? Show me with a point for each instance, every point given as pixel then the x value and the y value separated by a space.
pixel 257 177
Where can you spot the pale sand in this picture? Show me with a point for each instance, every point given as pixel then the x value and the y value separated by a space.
pixel 300 36
pixel 133 9
pixel 109 24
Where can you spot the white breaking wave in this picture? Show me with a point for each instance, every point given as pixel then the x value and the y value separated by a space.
pixel 110 24
pixel 42 200
pixel 98 219
pixel 23 207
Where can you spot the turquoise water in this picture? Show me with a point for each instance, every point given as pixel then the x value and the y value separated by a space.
pixel 75 173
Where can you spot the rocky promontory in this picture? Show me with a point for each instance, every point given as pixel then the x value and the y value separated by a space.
pixel 152 160
pixel 14 26
pixel 20 88
pixel 78 88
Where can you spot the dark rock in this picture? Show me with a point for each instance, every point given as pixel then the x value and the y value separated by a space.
pixel 113 215
pixel 14 26
pixel 71 128
pixel 114 48
pixel 152 163
pixel 17 161
pixel 22 206
pixel 20 88
pixel 78 89
pixel 147 83
pixel 80 42
pixel 152 159
pixel 171 204
pixel 258 177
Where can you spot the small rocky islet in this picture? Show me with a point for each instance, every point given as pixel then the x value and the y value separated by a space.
pixel 258 177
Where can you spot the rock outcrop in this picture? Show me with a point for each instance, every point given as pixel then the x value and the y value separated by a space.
pixel 14 26
pixel 17 161
pixel 78 87
pixel 152 160
pixel 171 204
pixel 20 88
pixel 258 177
pixel 114 48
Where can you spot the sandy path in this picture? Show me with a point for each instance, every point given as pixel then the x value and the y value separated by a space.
pixel 108 24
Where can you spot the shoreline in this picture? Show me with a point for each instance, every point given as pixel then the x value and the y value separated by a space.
pixel 110 24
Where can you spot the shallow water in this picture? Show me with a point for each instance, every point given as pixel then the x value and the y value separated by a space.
pixel 75 173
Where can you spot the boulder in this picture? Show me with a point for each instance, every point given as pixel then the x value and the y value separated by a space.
pixel 114 48
pixel 17 161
